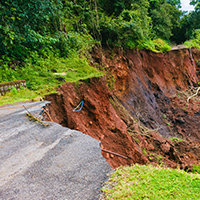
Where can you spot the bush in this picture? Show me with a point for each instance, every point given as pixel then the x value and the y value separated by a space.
pixel 129 29
pixel 195 42
pixel 156 45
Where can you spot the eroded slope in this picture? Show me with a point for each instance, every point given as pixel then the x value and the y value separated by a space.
pixel 143 110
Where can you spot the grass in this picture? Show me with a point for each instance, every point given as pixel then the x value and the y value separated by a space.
pixel 196 169
pixel 39 75
pixel 76 68
pixel 41 80
pixel 148 182
pixel 24 94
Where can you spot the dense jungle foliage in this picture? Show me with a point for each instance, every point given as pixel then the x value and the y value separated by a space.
pixel 38 36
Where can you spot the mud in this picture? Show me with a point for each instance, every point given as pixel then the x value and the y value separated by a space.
pixel 144 105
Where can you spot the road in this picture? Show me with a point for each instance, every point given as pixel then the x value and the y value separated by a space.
pixel 47 162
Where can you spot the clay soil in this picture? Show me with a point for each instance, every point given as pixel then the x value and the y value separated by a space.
pixel 139 110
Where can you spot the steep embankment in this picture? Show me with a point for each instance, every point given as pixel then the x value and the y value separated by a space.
pixel 143 110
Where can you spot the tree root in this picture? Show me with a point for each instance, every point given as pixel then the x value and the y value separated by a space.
pixel 193 95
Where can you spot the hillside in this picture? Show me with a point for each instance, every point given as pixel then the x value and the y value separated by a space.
pixel 145 115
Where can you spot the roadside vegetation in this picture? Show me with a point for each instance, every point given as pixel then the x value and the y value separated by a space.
pixel 41 37
pixel 195 40
pixel 148 182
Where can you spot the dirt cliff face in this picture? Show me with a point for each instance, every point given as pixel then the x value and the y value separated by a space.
pixel 147 105
pixel 97 119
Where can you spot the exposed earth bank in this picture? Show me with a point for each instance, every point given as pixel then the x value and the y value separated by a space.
pixel 143 115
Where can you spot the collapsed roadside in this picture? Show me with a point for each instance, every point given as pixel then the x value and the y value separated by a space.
pixel 143 115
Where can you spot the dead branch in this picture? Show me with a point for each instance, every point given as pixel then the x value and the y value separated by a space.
pixel 193 95
pixel 35 119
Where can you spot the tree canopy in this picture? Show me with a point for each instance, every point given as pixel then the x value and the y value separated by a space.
pixel 57 26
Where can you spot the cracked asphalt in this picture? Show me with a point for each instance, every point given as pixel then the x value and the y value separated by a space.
pixel 47 162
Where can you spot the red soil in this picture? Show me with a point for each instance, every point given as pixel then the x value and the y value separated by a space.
pixel 141 98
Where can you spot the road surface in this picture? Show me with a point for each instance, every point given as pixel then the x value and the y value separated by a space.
pixel 47 162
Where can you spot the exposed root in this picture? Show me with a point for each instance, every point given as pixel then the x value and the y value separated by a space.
pixel 193 95
pixel 186 95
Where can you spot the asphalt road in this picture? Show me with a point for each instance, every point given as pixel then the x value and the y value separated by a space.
pixel 52 162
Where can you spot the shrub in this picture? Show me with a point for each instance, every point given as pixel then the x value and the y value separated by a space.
pixel 156 45
pixel 195 42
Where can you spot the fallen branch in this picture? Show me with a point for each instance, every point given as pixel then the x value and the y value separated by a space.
pixel 26 110
pixel 116 154
pixel 193 95
pixel 35 119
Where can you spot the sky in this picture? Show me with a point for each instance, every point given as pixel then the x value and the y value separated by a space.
pixel 186 5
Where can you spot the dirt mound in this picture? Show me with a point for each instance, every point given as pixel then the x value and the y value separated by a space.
pixel 143 110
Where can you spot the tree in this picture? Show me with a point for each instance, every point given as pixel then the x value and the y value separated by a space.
pixel 159 11
pixel 115 7
pixel 25 24
pixel 176 3
pixel 188 24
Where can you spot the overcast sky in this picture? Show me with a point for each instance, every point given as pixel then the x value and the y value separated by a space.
pixel 186 5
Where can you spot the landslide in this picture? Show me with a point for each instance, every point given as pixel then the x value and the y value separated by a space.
pixel 143 114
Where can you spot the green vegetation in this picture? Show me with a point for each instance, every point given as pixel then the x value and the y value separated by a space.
pixel 168 124
pixel 42 81
pixel 24 94
pixel 164 116
pixel 59 27
pixel 144 151
pixel 39 74
pixel 156 45
pixel 187 25
pixel 175 139
pixel 196 169
pixel 39 37
pixel 195 41
pixel 136 140
pixel 148 182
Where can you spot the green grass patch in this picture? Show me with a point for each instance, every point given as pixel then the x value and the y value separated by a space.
pixel 24 94
pixel 196 169
pixel 148 182
pixel 41 80
pixel 39 75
